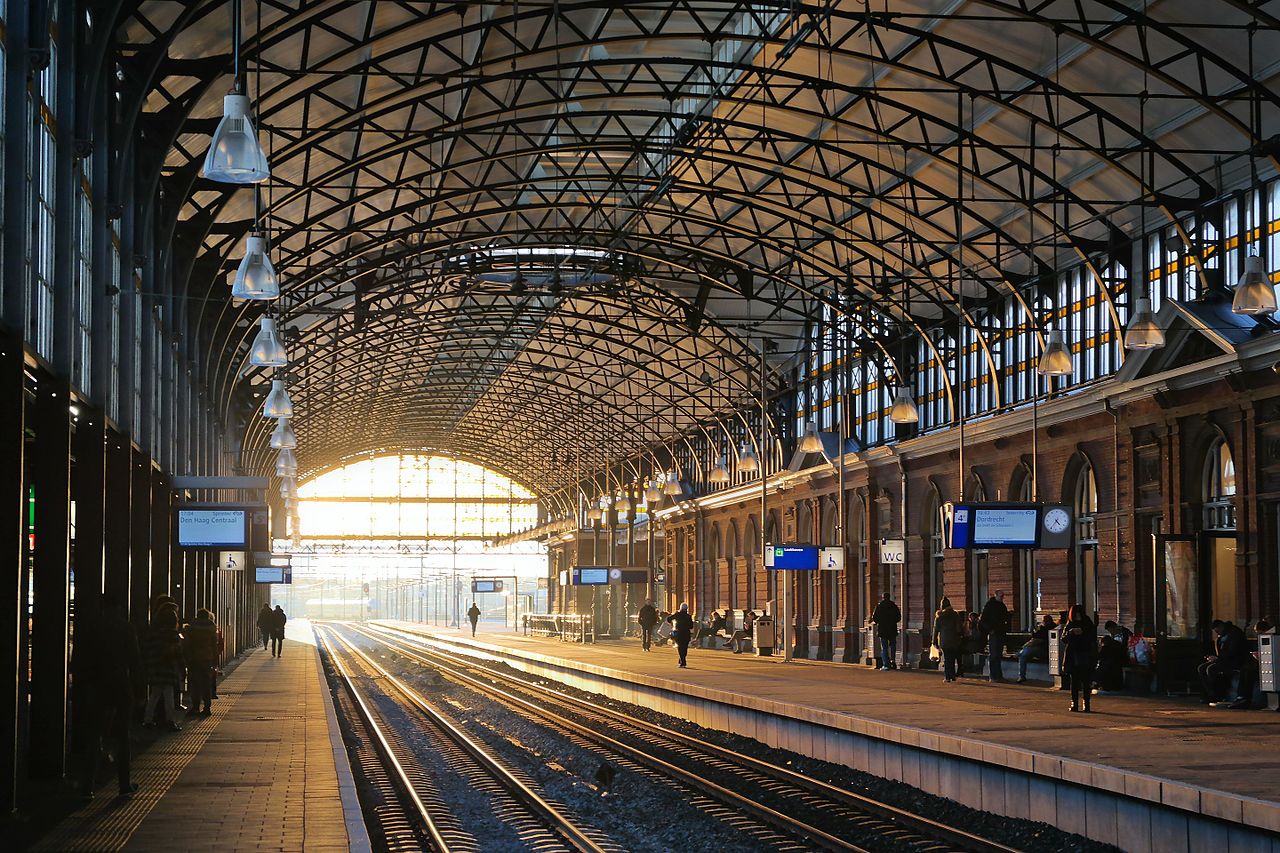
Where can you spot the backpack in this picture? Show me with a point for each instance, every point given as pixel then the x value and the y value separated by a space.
pixel 1140 650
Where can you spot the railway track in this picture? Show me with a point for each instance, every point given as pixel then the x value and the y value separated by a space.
pixel 819 814
pixel 411 812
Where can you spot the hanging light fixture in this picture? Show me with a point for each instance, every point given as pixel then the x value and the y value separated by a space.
pixel 594 513
pixel 288 486
pixel 267 351
pixel 1056 358
pixel 1143 331
pixel 255 277
pixel 720 473
pixel 235 156
pixel 673 487
pixel 286 463
pixel 747 459
pixel 810 443
pixel 1254 293
pixel 278 404
pixel 653 494
pixel 623 503
pixel 283 436
pixel 904 409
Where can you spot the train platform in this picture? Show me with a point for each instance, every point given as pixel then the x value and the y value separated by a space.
pixel 266 772
pixel 1177 770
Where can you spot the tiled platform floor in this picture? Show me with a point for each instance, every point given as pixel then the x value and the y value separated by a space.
pixel 258 775
pixel 1165 738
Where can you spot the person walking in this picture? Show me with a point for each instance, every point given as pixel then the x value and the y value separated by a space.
pixel 994 624
pixel 646 618
pixel 886 617
pixel 948 635
pixel 1079 655
pixel 107 666
pixel 162 651
pixel 278 621
pixel 682 631
pixel 266 622
pixel 200 644
pixel 473 616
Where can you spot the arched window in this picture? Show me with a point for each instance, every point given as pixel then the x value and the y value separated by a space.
pixel 1086 548
pixel 1219 488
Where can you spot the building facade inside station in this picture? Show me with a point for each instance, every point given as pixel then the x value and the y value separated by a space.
pixel 678 282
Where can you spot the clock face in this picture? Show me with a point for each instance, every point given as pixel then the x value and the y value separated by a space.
pixel 1056 520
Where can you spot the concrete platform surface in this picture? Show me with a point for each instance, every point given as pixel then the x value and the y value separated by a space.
pixel 264 772
pixel 1216 762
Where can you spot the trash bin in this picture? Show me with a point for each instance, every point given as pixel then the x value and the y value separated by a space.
pixel 763 637
pixel 1269 669
pixel 1055 659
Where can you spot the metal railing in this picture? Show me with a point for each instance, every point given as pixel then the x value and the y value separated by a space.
pixel 569 627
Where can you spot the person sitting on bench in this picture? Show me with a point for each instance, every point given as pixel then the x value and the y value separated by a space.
pixel 1037 648
pixel 1112 658
pixel 1229 651
pixel 742 637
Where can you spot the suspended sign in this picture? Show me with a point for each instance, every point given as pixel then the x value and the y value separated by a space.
pixel 486 586
pixel 791 557
pixel 893 551
pixel 831 558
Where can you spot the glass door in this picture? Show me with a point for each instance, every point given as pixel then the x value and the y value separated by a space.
pixel 1177 587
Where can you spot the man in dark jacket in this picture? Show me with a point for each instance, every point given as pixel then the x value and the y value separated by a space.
pixel 1231 647
pixel 886 617
pixel 200 645
pixel 646 618
pixel 681 631
pixel 278 621
pixel 994 624
pixel 107 671
pixel 266 619
pixel 473 616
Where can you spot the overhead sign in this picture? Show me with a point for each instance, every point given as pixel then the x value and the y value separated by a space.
pixel 227 529
pixel 1006 525
pixel 831 558
pixel 590 576
pixel 791 557
pixel 478 586
pixel 634 576
pixel 273 574
pixel 893 551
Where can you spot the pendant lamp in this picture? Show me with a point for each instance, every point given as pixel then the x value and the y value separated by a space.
pixel 904 409
pixel 1254 293
pixel 278 404
pixel 653 494
pixel 283 436
pixel 747 460
pixel 288 486
pixel 594 513
pixel 810 443
pixel 1056 358
pixel 267 351
pixel 623 503
pixel 255 277
pixel 673 487
pixel 1143 332
pixel 286 463
pixel 720 473
pixel 234 155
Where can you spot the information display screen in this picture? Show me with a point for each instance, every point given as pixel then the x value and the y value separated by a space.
pixel 213 528
pixel 1005 526
pixel 590 577
pixel 794 557
pixel 486 586
pixel 269 574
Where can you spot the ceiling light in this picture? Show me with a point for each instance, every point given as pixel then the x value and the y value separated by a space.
pixel 1255 294
pixel 904 409
pixel 278 404
pixel 283 436
pixel 673 487
pixel 1056 358
pixel 234 155
pixel 747 461
pixel 653 494
pixel 720 473
pixel 255 277
pixel 594 513
pixel 623 503
pixel 288 486
pixel 1143 332
pixel 810 442
pixel 267 351
pixel 286 463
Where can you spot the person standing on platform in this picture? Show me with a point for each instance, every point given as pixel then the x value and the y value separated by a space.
pixel 473 616
pixel 278 621
pixel 948 635
pixel 682 631
pixel 163 653
pixel 107 667
pixel 1080 655
pixel 266 621
pixel 646 618
pixel 201 647
pixel 886 617
pixel 994 624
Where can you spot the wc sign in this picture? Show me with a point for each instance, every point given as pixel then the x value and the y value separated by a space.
pixel 893 551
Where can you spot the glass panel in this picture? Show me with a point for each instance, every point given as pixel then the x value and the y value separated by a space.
pixel 1181 590
pixel 1223 588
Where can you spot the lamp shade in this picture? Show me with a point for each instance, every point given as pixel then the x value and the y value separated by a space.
pixel 267 351
pixel 623 503
pixel 234 155
pixel 255 277
pixel 720 473
pixel 278 404
pixel 594 513
pixel 653 494
pixel 810 442
pixel 747 460
pixel 288 486
pixel 1143 332
pixel 286 463
pixel 673 486
pixel 1056 358
pixel 904 409
pixel 1254 293
pixel 283 436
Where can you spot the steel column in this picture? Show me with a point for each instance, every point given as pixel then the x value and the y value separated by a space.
pixel 140 533
pixel 12 536
pixel 115 537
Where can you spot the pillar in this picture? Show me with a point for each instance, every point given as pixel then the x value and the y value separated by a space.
pixel 115 534
pixel 13 495
pixel 140 533
pixel 160 527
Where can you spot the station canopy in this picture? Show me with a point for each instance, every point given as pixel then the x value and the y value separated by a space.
pixel 544 235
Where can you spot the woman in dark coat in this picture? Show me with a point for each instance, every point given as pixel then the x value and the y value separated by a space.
pixel 1079 655
pixel 682 631
pixel 948 635
pixel 162 652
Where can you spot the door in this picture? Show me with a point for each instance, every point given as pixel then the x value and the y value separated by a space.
pixel 1178 593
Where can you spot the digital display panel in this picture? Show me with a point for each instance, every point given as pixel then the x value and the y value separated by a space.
pixel 794 557
pixel 269 574
pixel 212 528
pixel 1004 526
pixel 486 586
pixel 591 577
